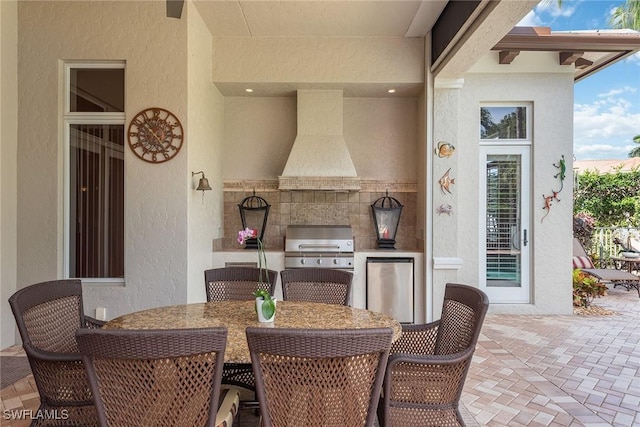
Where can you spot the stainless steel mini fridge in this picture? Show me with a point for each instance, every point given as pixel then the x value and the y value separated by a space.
pixel 390 285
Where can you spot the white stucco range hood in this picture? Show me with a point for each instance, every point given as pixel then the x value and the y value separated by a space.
pixel 319 158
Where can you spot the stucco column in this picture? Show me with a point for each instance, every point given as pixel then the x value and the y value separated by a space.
pixel 444 178
pixel 8 160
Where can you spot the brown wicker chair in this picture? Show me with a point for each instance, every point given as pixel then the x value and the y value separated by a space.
pixel 429 363
pixel 237 283
pixel 316 285
pixel 158 377
pixel 318 377
pixel 48 315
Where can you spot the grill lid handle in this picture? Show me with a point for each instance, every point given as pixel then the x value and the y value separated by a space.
pixel 317 246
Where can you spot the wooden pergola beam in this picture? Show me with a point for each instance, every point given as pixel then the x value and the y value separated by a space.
pixel 506 56
pixel 582 63
pixel 568 58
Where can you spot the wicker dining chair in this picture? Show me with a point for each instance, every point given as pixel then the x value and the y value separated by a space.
pixel 48 314
pixel 429 363
pixel 237 283
pixel 158 377
pixel 318 377
pixel 316 285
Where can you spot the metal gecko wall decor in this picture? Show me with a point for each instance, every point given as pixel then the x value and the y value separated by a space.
pixel 561 175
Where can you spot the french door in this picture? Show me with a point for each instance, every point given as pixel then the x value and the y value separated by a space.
pixel 505 223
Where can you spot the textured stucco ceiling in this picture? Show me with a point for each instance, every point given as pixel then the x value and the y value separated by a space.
pixel 267 25
pixel 360 18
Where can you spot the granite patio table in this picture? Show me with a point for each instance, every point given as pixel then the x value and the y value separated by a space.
pixel 236 316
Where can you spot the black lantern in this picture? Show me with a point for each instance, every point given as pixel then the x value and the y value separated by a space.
pixel 386 215
pixel 254 211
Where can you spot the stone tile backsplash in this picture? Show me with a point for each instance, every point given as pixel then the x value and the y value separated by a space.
pixel 322 208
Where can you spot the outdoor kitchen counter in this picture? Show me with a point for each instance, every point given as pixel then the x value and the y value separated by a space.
pixel 275 261
pixel 236 316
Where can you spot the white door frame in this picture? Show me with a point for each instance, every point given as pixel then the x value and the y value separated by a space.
pixel 513 294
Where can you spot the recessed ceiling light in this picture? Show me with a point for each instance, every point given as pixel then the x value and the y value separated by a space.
pixel 248 90
pixel 391 91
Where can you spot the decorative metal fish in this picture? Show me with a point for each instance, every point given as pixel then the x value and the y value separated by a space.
pixel 445 149
pixel 444 208
pixel 445 181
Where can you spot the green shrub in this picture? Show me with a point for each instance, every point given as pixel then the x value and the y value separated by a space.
pixel 586 288
pixel 612 199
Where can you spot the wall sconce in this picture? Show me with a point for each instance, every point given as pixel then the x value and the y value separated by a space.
pixel 203 184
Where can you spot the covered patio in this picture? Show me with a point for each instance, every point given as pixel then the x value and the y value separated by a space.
pixel 573 370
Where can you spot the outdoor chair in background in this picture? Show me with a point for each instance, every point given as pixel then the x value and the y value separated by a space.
pixel 318 378
pixel 316 285
pixel 48 314
pixel 606 275
pixel 158 377
pixel 428 365
pixel 237 283
pixel 624 247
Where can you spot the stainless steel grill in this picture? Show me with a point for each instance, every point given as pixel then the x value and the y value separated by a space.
pixel 323 246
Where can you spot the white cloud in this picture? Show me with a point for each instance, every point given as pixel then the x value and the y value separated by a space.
pixel 531 19
pixel 551 7
pixel 635 58
pixel 605 128
pixel 614 92
pixel 546 12
pixel 600 152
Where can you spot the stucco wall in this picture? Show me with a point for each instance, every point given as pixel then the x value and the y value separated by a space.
pixel 381 135
pixel 206 131
pixel 157 195
pixel 552 97
pixel 8 171
pixel 377 60
pixel 259 133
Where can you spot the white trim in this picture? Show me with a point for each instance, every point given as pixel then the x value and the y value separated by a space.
pixel 428 189
pixel 448 83
pixel 507 295
pixel 84 64
pixel 447 263
pixel 507 141
pixel 70 118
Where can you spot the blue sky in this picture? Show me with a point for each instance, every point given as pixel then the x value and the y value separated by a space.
pixel 607 104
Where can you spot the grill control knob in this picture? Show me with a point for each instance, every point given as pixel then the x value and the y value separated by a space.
pixel 335 261
pixel 303 261
pixel 319 261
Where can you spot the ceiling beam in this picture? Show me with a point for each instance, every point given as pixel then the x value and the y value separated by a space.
pixel 541 39
pixel 174 8
pixel 506 56
pixel 583 63
pixel 568 58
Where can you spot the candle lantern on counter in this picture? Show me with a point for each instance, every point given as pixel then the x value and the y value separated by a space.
pixel 386 216
pixel 254 211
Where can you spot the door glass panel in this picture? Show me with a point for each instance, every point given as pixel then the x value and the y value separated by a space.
pixel 503 204
pixel 96 240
